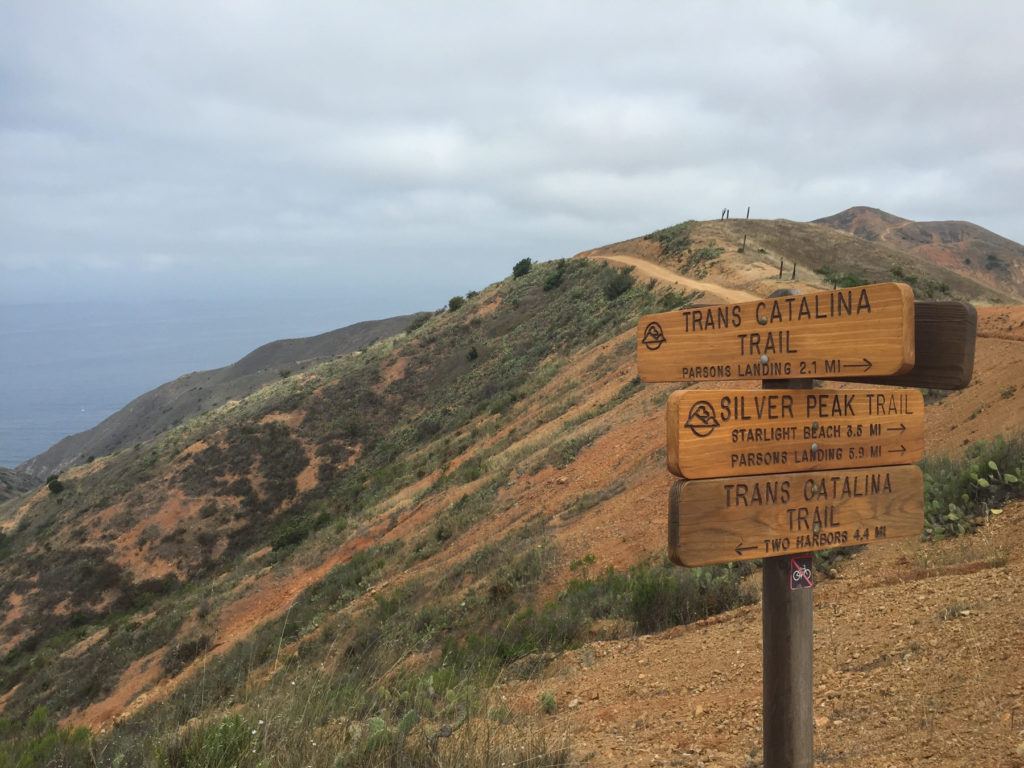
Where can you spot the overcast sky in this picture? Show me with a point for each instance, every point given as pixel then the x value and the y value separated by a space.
pixel 394 154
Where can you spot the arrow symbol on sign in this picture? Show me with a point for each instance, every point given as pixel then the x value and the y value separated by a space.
pixel 740 549
pixel 901 449
pixel 901 428
pixel 865 366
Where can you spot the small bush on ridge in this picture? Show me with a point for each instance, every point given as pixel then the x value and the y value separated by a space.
pixel 522 267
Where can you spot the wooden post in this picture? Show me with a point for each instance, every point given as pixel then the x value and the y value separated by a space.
pixel 782 263
pixel 787 655
pixel 748 211
pixel 794 271
pixel 787 647
pixel 744 246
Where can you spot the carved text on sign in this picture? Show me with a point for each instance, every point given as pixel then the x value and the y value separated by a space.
pixel 727 433
pixel 833 334
pixel 718 520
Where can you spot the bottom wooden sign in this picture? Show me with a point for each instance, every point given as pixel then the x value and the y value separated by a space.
pixel 743 518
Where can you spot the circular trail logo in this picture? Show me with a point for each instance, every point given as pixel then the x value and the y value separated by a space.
pixel 701 420
pixel 654 337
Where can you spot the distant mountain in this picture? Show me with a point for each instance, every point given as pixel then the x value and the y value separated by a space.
pixel 170 404
pixel 960 246
pixel 14 483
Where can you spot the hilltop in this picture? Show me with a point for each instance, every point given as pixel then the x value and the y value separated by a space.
pixel 187 396
pixel 710 256
pixel 450 546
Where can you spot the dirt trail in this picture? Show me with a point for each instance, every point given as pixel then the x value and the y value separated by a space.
pixel 649 269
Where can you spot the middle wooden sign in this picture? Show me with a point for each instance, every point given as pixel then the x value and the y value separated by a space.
pixel 731 433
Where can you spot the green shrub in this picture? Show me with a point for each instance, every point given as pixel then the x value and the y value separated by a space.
pixel 673 240
pixel 564 452
pixel 555 277
pixel 229 743
pixel 923 287
pixel 702 257
pixel 674 300
pixel 455 302
pixel 40 743
pixel 960 493
pixel 667 596
pixel 616 282
pixel 180 655
pixel 548 705
pixel 591 499
pixel 841 279
pixel 418 322
pixel 522 268
pixel 650 596
pixel 55 485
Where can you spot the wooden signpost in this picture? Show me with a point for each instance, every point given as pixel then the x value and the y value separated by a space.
pixel 788 470
pixel 834 334
pixel 727 433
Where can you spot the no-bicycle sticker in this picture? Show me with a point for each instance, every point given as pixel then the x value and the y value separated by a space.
pixel 800 572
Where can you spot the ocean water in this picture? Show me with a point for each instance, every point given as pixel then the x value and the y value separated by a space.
pixel 66 367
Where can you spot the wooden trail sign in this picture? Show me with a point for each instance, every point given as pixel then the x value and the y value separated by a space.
pixel 730 433
pixel 717 521
pixel 944 339
pixel 861 331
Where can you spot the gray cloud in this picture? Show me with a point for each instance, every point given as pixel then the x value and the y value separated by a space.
pixel 411 150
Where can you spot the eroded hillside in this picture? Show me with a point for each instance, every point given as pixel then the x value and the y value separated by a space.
pixel 192 540
pixel 175 402
pixel 341 566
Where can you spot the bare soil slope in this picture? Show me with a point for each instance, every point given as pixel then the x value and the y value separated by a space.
pixel 994 403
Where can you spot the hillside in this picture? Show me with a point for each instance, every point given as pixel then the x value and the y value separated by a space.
pixel 187 396
pixel 14 483
pixel 960 246
pixel 448 549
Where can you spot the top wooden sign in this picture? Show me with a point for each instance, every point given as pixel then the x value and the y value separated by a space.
pixel 849 333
